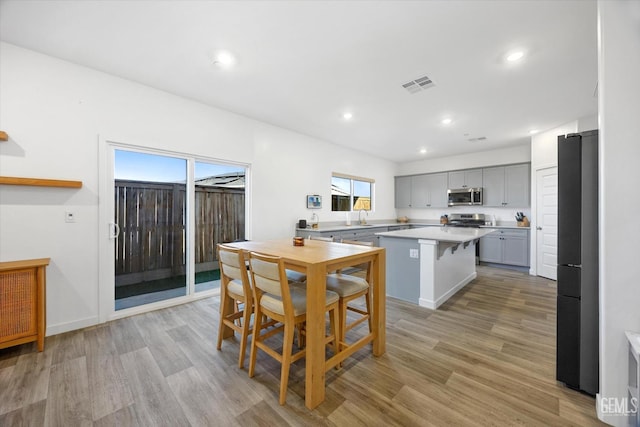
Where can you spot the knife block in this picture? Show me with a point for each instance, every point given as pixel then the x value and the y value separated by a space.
pixel 524 222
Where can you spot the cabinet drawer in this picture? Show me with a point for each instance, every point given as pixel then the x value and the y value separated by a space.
pixel 511 232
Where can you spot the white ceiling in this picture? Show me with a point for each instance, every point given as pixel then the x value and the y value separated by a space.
pixel 301 64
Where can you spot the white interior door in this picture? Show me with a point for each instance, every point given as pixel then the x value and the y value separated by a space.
pixel 547 222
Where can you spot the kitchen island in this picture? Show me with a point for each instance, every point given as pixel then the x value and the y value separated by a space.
pixel 427 266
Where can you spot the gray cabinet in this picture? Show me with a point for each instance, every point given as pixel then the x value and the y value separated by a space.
pixel 429 191
pixel 421 191
pixel 399 227
pixel 506 246
pixel 516 185
pixel 365 234
pixel 506 186
pixel 403 192
pixel 357 233
pixel 469 178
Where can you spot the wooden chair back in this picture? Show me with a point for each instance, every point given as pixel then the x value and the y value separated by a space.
pixel 233 267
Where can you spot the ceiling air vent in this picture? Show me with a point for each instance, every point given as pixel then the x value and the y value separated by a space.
pixel 421 83
pixel 481 138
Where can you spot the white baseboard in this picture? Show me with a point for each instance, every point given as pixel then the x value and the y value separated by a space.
pixel 423 302
pixel 61 328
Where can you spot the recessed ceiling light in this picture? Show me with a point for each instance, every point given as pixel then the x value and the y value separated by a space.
pixel 446 121
pixel 423 151
pixel 224 59
pixel 533 131
pixel 515 56
pixel 347 116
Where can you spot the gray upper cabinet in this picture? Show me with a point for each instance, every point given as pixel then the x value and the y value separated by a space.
pixel 516 185
pixel 429 191
pixel 470 178
pixel 493 186
pixel 506 186
pixel 403 192
pixel 421 191
pixel 438 197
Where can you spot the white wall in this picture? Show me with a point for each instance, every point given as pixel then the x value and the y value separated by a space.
pixel 619 106
pixel 54 111
pixel 504 156
pixel 544 154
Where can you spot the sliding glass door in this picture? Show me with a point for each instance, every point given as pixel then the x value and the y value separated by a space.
pixel 150 211
pixel 219 217
pixel 170 212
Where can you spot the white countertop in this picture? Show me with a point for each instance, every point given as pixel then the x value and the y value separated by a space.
pixel 343 227
pixel 421 223
pixel 441 234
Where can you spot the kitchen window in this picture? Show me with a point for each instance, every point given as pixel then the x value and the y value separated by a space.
pixel 351 193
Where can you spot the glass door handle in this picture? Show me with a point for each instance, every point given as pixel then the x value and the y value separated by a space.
pixel 114 230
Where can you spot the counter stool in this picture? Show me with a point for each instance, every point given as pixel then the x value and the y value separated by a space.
pixel 236 298
pixel 350 287
pixel 287 305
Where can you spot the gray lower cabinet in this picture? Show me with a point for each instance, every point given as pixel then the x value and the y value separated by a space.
pixel 506 246
pixel 366 234
pixel 403 271
pixel 399 227
pixel 359 234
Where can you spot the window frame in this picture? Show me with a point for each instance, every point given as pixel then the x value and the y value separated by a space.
pixel 352 197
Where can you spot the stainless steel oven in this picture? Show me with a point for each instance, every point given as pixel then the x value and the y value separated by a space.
pixel 465 196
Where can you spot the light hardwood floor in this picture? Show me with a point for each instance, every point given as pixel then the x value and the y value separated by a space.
pixel 484 358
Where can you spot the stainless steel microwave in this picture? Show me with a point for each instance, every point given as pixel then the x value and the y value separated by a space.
pixel 465 196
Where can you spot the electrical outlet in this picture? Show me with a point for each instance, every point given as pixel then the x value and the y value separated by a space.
pixel 69 217
pixel 413 253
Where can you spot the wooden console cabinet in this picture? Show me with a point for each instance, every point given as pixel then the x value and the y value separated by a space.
pixel 23 302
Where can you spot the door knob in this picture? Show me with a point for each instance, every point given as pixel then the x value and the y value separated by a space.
pixel 538 228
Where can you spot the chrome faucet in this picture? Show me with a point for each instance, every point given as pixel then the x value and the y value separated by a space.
pixel 362 221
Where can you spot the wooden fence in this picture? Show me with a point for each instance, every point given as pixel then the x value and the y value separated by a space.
pixel 152 216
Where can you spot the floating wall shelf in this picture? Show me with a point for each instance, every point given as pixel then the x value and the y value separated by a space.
pixel 39 182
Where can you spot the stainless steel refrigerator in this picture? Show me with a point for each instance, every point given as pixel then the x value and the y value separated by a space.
pixel 577 316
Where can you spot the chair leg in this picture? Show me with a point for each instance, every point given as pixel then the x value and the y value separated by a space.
pixel 246 317
pixel 342 325
pixel 257 327
pixel 334 328
pixel 367 299
pixel 287 347
pixel 224 304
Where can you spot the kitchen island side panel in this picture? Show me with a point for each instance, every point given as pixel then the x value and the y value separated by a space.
pixel 444 272
pixel 403 271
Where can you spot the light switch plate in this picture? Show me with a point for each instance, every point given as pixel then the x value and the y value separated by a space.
pixel 413 253
pixel 69 217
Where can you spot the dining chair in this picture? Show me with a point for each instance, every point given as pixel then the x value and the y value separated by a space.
pixel 297 277
pixel 287 305
pixel 236 297
pixel 350 287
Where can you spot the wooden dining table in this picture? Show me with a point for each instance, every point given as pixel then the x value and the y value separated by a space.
pixel 315 259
